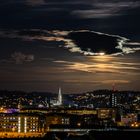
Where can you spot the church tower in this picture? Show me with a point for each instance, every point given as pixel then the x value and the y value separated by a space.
pixel 60 96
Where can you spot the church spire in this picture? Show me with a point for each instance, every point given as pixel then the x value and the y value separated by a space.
pixel 60 96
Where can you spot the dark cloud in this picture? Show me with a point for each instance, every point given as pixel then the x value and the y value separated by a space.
pixel 96 43
pixel 19 58
pixel 100 15
pixel 35 2
pixel 33 32
pixel 83 41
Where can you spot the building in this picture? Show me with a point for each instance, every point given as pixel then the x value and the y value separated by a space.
pixel 113 98
pixel 21 122
pixel 129 118
pixel 106 113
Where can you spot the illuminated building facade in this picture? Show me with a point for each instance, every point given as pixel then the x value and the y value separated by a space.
pixel 58 119
pixel 128 119
pixel 113 97
pixel 20 123
pixel 113 100
pixel 106 113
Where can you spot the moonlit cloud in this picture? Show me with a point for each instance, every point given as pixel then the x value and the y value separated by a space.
pixel 96 65
pixel 105 68
pixel 133 43
pixel 108 44
pixel 116 81
pixel 99 83
pixel 105 9
pixel 97 13
pixel 76 67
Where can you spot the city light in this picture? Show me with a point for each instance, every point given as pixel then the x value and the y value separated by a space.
pixel 135 125
pixel 19 124
pixel 25 125
pixel 95 110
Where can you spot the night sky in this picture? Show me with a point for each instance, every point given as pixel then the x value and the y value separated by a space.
pixel 79 45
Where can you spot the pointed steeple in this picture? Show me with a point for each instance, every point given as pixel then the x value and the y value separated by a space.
pixel 60 96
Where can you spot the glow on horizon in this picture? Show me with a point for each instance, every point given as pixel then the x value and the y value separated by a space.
pixel 101 53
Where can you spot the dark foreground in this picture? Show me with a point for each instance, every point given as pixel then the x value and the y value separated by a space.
pixel 110 135
pixel 92 135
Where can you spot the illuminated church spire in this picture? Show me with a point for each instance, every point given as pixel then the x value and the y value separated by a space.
pixel 58 102
pixel 60 96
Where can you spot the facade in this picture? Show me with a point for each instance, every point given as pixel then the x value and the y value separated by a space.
pixel 129 118
pixel 21 123
pixel 106 113
pixel 113 100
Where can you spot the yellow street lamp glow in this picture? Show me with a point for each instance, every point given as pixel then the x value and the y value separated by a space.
pixel 78 124
pixel 132 125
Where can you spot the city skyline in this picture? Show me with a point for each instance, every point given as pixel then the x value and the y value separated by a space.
pixel 77 45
